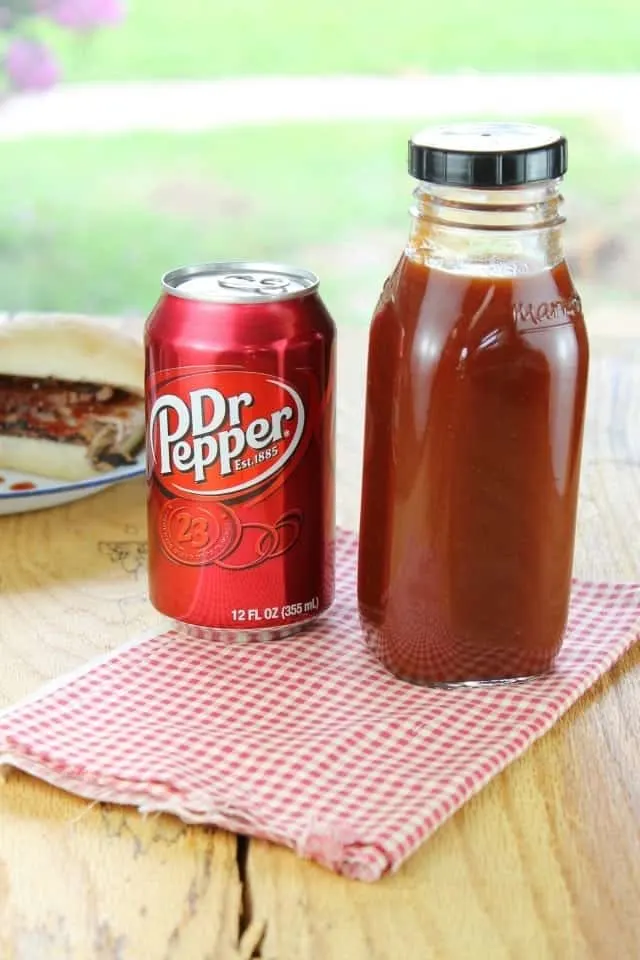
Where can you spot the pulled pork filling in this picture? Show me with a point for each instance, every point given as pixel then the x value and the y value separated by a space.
pixel 107 420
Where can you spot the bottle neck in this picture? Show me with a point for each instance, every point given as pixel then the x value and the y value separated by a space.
pixel 498 232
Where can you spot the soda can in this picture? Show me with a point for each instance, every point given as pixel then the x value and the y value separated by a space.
pixel 240 412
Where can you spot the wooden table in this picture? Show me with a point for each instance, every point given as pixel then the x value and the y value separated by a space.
pixel 545 862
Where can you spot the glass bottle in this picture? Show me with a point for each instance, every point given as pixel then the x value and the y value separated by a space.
pixel 476 385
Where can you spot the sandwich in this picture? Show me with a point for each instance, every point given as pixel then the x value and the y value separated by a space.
pixel 71 395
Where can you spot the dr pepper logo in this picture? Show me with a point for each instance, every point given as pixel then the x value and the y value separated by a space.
pixel 222 433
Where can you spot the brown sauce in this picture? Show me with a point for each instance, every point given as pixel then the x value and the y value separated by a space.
pixel 474 418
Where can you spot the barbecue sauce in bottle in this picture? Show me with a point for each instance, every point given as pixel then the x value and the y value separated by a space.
pixel 476 384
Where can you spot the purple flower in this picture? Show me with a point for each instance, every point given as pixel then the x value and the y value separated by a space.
pixel 84 15
pixel 30 65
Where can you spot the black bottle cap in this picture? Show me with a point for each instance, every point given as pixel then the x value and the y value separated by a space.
pixel 487 154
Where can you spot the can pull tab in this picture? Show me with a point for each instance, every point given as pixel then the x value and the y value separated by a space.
pixel 249 283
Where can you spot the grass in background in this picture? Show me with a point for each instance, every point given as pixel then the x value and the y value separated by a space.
pixel 90 224
pixel 211 38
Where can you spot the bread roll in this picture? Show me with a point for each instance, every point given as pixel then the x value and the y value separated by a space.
pixel 74 348
pixel 71 390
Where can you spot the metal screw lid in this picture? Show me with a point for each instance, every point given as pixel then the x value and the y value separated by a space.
pixel 487 154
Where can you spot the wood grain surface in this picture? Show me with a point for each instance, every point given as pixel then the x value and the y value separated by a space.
pixel 545 862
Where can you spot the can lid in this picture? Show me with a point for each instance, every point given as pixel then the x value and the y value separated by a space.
pixel 240 281
pixel 487 154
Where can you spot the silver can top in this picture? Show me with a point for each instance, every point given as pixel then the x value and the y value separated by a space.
pixel 240 281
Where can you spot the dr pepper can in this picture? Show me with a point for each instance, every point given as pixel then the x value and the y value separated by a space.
pixel 240 405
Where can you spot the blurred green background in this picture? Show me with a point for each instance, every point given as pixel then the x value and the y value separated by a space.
pixel 213 38
pixel 90 222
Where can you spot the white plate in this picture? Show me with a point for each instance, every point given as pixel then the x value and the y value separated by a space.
pixel 47 492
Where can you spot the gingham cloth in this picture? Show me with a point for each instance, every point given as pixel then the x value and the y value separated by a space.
pixel 308 741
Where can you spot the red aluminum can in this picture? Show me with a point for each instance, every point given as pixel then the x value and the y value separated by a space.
pixel 240 402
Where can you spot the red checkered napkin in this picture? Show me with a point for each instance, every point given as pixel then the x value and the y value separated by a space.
pixel 308 741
